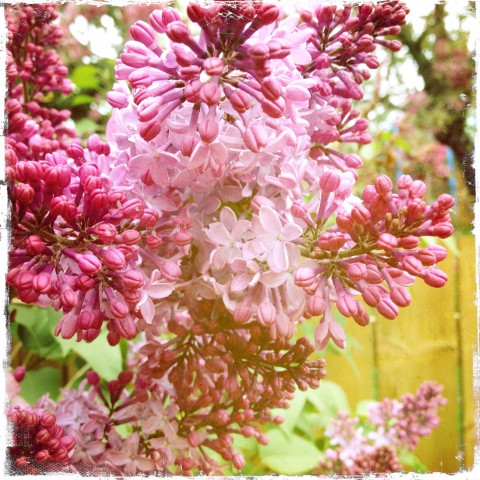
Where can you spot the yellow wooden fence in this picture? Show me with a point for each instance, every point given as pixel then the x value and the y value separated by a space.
pixel 433 339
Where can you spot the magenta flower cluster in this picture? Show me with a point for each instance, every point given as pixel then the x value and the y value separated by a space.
pixel 216 217
pixel 393 425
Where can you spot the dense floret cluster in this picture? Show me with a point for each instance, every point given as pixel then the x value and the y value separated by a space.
pixel 216 216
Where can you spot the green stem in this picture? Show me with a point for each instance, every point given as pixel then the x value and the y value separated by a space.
pixel 77 375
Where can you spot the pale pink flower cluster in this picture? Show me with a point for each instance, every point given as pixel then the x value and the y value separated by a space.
pixel 357 447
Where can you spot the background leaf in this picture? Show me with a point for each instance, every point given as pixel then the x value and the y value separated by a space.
pixel 38 382
pixel 289 454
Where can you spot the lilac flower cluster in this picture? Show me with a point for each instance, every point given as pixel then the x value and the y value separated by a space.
pixel 37 441
pixel 393 425
pixel 217 216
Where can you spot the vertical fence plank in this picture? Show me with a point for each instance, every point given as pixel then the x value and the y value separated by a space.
pixel 468 325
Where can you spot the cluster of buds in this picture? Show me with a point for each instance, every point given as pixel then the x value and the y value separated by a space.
pixel 76 238
pixel 372 445
pixel 404 422
pixel 34 70
pixel 37 442
pixel 374 250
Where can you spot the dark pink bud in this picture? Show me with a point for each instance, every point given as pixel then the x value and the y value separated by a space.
pixel 299 209
pixel 388 309
pixel 99 199
pixel 182 238
pixel 347 305
pixel 266 314
pixel 114 259
pixel 42 436
pixel 154 241
pixel 315 305
pixel 387 241
pixel 84 283
pixel 52 444
pixel 89 264
pixel 68 442
pixel 189 142
pixel 360 215
pixel 427 257
pixel 106 231
pixel 418 189
pixel 92 183
pixel 68 298
pixel 177 32
pixel 144 33
pixel 242 313
pixel 208 130
pixel 372 296
pixel 86 320
pixel 439 252
pixel 279 48
pixel 412 265
pixel 131 296
pixel 133 208
pixel 409 242
pixel 34 245
pixel 416 208
pixel 446 201
pixel 305 276
pixel 170 271
pixel 272 89
pixel 255 138
pixel 405 182
pixel 443 230
pixel 192 91
pixel 119 309
pixel 93 378
pixel 274 109
pixel 133 279
pixel 268 13
pixel 213 66
pixel 24 193
pixel 400 296
pixel 240 101
pixel 27 295
pixel 383 185
pixel 259 52
pixel 19 373
pixel 149 218
pixel 117 99
pixel 41 283
pixel 58 176
pixel 24 280
pixel 435 277
pixel 150 130
pixel 60 454
pixel 42 456
pixel 330 181
pixel 130 237
pixel 356 271
pixel 48 419
pixel 238 461
pixel 159 19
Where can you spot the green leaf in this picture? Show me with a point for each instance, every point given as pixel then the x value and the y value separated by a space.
pixel 363 408
pixel 329 399
pixel 81 99
pixel 35 328
pixel 86 77
pixel 292 413
pixel 37 382
pixel 100 355
pixel 85 125
pixel 289 454
pixel 410 460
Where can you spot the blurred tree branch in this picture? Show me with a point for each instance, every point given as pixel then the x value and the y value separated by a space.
pixel 424 51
